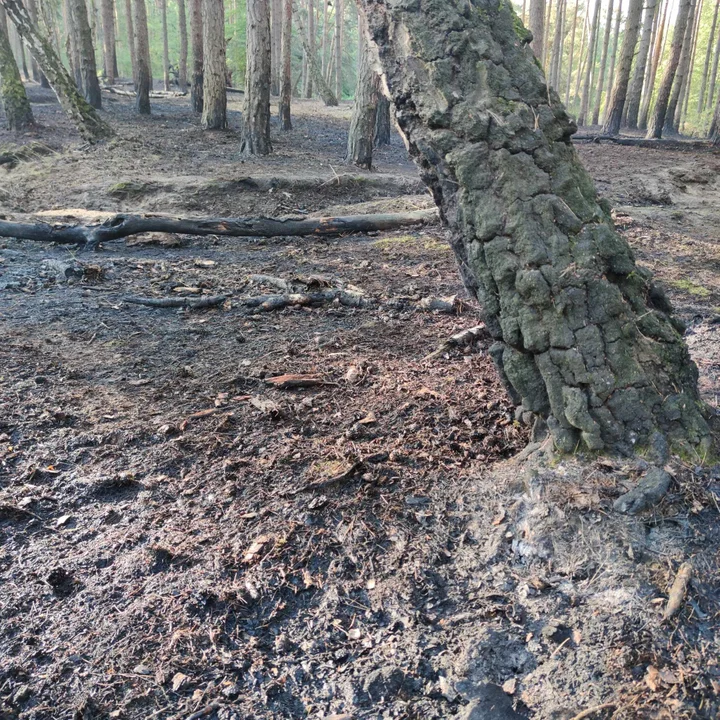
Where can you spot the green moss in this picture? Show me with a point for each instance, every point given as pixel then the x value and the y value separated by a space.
pixel 691 287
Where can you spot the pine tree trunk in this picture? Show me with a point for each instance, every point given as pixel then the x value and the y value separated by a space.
pixel 706 66
pixel 71 46
pixel 183 57
pixel 276 30
pixel 682 108
pixel 635 91
pixel 650 85
pixel 131 38
pixel 592 51
pixel 109 54
pixel 584 339
pixel 613 59
pixel 361 137
pixel 581 58
pixel 23 57
pixel 324 59
pixel 214 114
pixel 84 117
pixel 13 99
pixel 162 4
pixel 88 70
pixel 537 27
pixel 32 8
pixel 196 34
pixel 383 122
pixel 669 128
pixel 311 51
pixel 338 48
pixel 313 67
pixel 256 110
pixel 143 82
pixel 286 76
pixel 714 134
pixel 556 58
pixel 714 72
pixel 546 34
pixel 616 104
pixel 571 53
pixel 600 84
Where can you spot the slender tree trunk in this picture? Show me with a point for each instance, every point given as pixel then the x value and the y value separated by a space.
pixel 324 59
pixel 286 76
pixel 23 57
pixel 83 115
pixel 682 108
pixel 313 68
pixel 143 82
pixel 311 53
pixel 109 54
pixel 572 52
pixel 706 65
pixel 183 57
pixel 546 34
pixel 635 92
pixel 383 123
pixel 162 4
pixel 338 48
pixel 32 8
pixel 555 59
pixel 714 134
pixel 361 137
pixel 613 59
pixel 88 69
pixel 584 339
pixel 616 104
pixel 196 34
pixel 714 72
pixel 71 45
pixel 650 87
pixel 256 110
pixel 592 51
pixel 131 38
pixel 537 27
pixel 682 71
pixel 600 84
pixel 276 30
pixel 581 59
pixel 214 115
pixel 655 129
pixel 14 101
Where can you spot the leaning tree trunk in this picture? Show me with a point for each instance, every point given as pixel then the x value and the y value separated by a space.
pixel 165 49
pixel 83 115
pixel 584 339
pixel 383 123
pixel 537 27
pixel 361 137
pixel 603 65
pixel 706 64
pixel 682 71
pixel 655 63
pixel 313 67
pixel 286 58
pixel 109 54
pixel 635 92
pixel 183 57
pixel 88 70
pixel 657 123
pixel 131 38
pixel 18 113
pixel 32 7
pixel 256 109
pixel 592 49
pixel 616 104
pixel 196 33
pixel 214 115
pixel 143 81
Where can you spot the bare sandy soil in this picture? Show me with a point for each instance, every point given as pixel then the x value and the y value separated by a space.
pixel 180 538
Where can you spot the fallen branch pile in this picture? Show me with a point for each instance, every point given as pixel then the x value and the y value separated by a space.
pixel 122 226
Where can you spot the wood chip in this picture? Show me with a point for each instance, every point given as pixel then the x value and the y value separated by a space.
pixel 255 548
pixel 678 590
pixel 285 382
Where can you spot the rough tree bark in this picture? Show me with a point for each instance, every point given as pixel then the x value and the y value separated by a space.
pixel 14 101
pixel 592 51
pixel 537 27
pixel 88 69
pixel 616 104
pixel 585 340
pixel 143 81
pixel 196 34
pixel 361 137
pixel 682 71
pixel 83 115
pixel 636 86
pixel 338 48
pixel 286 75
pixel 109 53
pixel 383 122
pixel 650 84
pixel 183 57
pixel 131 38
pixel 162 4
pixel 706 65
pixel 599 85
pixel 256 109
pixel 214 114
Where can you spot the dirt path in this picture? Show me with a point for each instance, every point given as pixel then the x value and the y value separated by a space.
pixel 177 535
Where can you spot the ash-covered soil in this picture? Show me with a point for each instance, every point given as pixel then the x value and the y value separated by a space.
pixel 180 538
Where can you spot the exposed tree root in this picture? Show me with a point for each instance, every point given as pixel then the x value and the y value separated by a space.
pixel 121 226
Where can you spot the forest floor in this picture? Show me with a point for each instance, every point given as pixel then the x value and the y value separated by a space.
pixel 181 538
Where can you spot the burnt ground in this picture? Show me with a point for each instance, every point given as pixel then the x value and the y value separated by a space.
pixel 178 536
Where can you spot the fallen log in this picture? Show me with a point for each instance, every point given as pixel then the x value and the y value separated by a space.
pixel 664 143
pixel 122 226
pixel 192 303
